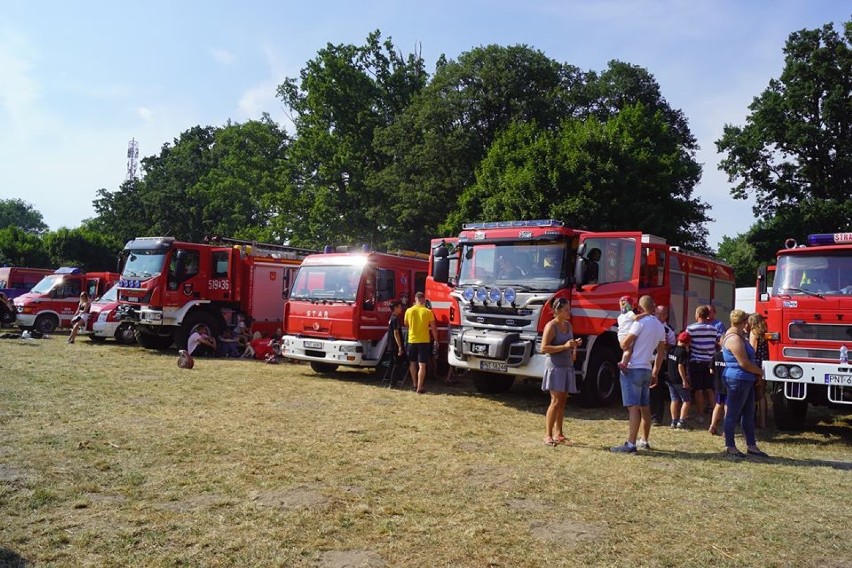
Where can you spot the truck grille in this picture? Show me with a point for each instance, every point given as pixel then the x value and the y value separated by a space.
pixel 820 332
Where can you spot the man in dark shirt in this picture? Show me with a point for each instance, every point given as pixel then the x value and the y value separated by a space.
pixel 395 329
pixel 678 363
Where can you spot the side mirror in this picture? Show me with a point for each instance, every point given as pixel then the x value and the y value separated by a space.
pixel 441 264
pixel 762 290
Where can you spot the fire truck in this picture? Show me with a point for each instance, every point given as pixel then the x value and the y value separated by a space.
pixel 16 280
pixel 807 303
pixel 53 301
pixel 339 310
pixel 506 271
pixel 168 288
pixel 440 300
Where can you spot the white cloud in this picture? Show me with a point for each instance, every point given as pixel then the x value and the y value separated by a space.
pixel 222 56
pixel 144 113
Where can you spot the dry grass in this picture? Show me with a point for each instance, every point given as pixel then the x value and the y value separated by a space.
pixel 112 456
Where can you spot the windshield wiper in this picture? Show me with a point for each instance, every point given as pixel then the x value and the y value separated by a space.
pixel 808 292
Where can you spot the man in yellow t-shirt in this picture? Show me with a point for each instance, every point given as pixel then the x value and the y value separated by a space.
pixel 420 320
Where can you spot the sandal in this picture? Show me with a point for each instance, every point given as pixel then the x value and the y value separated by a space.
pixel 560 439
pixel 550 441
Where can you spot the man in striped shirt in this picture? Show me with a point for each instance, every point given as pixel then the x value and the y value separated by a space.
pixel 705 341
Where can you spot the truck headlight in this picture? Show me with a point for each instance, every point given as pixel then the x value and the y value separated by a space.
pixel 781 371
pixel 796 372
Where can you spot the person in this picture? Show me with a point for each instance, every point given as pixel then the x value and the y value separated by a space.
pixel 256 339
pixel 7 310
pixel 720 327
pixel 228 344
pixel 718 366
pixel 741 372
pixel 757 339
pixel 678 377
pixel 200 343
pixel 507 270
pixel 81 316
pixel 241 331
pixel 559 346
pixel 625 320
pixel 420 320
pixel 705 339
pixel 714 321
pixel 659 392
pixel 396 345
pixel 646 334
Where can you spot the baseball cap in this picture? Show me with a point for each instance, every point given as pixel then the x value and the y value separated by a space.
pixel 684 337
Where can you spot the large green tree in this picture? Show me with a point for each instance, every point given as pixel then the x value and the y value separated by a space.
pixel 339 101
pixel 794 154
pixel 83 248
pixel 20 248
pixel 18 213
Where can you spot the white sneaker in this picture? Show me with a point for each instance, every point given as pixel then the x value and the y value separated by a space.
pixel 643 445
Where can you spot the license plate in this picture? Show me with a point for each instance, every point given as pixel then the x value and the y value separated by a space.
pixel 313 344
pixel 843 380
pixel 493 366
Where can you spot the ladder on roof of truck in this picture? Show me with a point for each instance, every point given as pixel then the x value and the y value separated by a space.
pixel 265 249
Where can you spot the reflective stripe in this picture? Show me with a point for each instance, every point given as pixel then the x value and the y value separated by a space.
pixel 595 313
pixel 441 304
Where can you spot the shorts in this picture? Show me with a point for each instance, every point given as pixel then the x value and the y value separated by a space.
pixel 81 318
pixel 419 352
pixel 679 394
pixel 722 398
pixel 636 387
pixel 699 375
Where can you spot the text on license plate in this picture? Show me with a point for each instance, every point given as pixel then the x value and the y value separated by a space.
pixel 493 366
pixel 844 380
pixel 313 344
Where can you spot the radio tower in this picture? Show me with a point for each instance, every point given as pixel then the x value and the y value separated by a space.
pixel 132 159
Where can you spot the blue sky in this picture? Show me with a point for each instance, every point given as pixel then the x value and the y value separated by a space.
pixel 79 80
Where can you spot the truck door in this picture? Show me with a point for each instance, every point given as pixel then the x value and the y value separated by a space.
pixel 184 282
pixel 220 281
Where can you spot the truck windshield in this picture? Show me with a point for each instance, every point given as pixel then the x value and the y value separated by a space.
pixel 528 266
pixel 142 263
pixel 327 283
pixel 814 275
pixel 46 284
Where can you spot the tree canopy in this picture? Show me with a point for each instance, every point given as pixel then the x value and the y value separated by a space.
pixel 794 154
pixel 18 213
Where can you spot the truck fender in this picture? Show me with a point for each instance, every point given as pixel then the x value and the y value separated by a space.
pixel 181 314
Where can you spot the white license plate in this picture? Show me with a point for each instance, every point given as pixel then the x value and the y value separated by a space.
pixel 843 380
pixel 313 344
pixel 493 366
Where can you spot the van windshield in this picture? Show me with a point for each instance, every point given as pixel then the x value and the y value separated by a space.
pixel 530 266
pixel 142 263
pixel 823 274
pixel 327 283
pixel 46 284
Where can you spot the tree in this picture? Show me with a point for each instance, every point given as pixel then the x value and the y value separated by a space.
pixel 794 154
pixel 20 248
pixel 342 97
pixel 83 248
pixel 740 254
pixel 20 214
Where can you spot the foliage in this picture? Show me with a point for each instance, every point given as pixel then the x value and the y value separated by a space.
pixel 84 248
pixel 341 98
pixel 20 248
pixel 740 254
pixel 794 154
pixel 20 214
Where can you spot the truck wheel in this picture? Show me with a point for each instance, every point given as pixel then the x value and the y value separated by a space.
pixel 789 414
pixel 193 321
pixel 323 367
pixel 46 323
pixel 152 341
pixel 489 383
pixel 125 334
pixel 602 385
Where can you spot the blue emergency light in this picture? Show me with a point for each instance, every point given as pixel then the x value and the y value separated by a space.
pixel 67 270
pixel 829 239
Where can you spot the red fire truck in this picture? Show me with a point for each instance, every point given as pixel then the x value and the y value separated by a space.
pixel 808 311
pixel 440 299
pixel 338 311
pixel 168 288
pixel 16 280
pixel 508 270
pixel 53 301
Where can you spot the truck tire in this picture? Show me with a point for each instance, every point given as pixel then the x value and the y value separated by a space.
pixel 192 321
pixel 125 334
pixel 602 384
pixel 490 383
pixel 152 341
pixel 322 368
pixel 46 323
pixel 788 414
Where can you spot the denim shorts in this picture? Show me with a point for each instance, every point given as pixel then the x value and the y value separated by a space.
pixel 419 352
pixel 636 387
pixel 679 394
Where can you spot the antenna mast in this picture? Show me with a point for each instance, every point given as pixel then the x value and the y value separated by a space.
pixel 132 160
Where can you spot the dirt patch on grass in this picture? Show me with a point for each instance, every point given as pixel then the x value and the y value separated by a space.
pixel 529 505
pixel 302 497
pixel 14 476
pixel 351 559
pixel 566 532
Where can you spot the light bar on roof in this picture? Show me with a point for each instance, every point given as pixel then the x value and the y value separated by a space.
pixel 829 239
pixel 512 224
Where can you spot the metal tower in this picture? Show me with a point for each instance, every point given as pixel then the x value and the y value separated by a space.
pixel 132 159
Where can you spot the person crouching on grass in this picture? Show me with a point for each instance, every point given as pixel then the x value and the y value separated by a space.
pixel 559 345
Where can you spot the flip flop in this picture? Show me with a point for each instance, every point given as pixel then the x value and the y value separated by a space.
pixel 549 441
pixel 562 440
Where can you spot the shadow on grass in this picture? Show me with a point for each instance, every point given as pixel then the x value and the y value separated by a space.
pixel 721 456
pixel 11 559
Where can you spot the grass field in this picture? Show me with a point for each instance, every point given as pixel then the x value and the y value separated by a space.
pixel 112 456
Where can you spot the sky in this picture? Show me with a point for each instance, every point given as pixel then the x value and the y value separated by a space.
pixel 79 80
